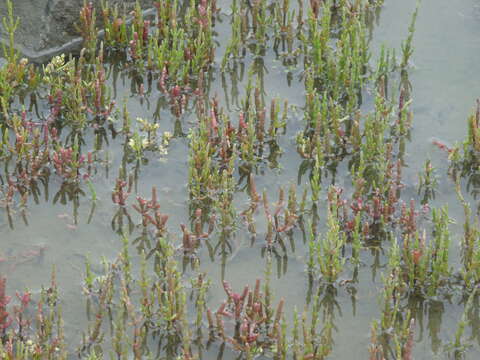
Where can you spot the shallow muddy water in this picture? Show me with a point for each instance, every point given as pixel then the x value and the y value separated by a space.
pixel 444 78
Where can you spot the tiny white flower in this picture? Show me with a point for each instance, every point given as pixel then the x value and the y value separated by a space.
pixel 167 135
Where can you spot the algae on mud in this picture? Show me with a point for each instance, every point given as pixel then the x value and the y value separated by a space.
pixel 173 143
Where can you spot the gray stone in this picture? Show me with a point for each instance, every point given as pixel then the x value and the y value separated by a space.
pixel 47 27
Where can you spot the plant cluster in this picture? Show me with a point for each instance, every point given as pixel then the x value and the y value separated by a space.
pixel 62 127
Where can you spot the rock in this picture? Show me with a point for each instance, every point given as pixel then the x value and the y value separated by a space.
pixel 47 27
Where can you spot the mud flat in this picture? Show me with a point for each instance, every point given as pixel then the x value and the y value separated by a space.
pixel 50 30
